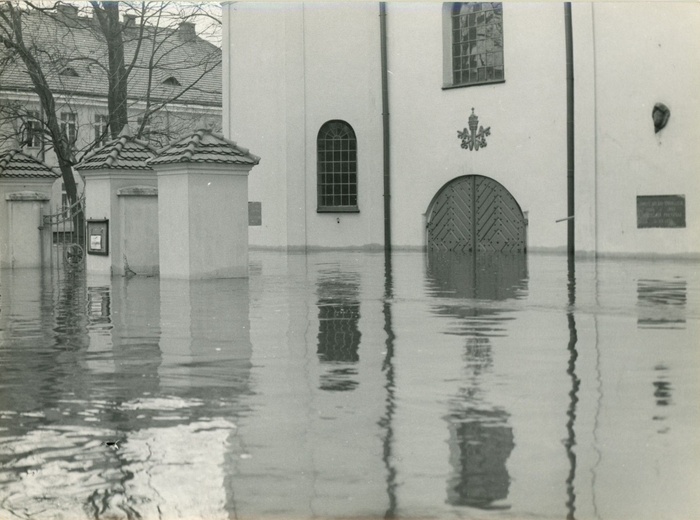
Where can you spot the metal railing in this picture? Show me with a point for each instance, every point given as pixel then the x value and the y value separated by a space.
pixel 66 235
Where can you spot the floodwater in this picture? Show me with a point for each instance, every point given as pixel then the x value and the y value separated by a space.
pixel 332 385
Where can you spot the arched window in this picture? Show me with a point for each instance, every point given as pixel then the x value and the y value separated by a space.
pixel 337 168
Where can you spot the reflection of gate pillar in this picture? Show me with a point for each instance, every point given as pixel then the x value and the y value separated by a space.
pixel 203 207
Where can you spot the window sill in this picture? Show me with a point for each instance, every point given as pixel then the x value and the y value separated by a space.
pixel 340 209
pixel 479 84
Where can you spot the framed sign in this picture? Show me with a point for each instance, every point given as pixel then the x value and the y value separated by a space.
pixel 255 213
pixel 661 211
pixel 98 237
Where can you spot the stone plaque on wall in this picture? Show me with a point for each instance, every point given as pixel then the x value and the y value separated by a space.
pixel 661 211
pixel 255 213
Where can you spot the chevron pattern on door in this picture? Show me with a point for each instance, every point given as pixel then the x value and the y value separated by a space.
pixel 475 213
pixel 451 226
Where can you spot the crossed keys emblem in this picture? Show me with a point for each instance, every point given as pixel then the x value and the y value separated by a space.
pixel 471 139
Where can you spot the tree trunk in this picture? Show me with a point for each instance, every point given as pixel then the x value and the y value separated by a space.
pixel 108 17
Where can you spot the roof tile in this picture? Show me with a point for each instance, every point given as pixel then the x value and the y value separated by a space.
pixel 204 146
pixel 123 153
pixel 16 164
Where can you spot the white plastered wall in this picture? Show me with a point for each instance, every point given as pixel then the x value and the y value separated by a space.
pixel 632 160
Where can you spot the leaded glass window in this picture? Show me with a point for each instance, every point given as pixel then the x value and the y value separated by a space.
pixel 337 167
pixel 477 43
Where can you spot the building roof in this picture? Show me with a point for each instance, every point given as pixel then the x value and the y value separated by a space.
pixel 123 153
pixel 16 164
pixel 73 55
pixel 204 146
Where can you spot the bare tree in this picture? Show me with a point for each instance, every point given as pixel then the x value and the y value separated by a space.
pixel 144 58
pixel 12 37
pixel 107 14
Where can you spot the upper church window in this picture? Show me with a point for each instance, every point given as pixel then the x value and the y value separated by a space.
pixel 473 43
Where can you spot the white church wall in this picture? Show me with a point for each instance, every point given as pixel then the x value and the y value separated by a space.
pixel 526 114
pixel 305 64
pixel 633 160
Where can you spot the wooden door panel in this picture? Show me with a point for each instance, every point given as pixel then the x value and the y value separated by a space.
pixel 476 209
pixel 450 221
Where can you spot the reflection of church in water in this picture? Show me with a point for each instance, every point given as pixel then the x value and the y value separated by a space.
pixel 481 439
pixel 338 335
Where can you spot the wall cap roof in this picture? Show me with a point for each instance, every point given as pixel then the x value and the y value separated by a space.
pixel 204 146
pixel 17 164
pixel 123 153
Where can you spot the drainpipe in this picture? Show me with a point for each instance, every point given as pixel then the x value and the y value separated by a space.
pixel 570 246
pixel 385 129
pixel 42 149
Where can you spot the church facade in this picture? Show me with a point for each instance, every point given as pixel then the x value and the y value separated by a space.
pixel 460 126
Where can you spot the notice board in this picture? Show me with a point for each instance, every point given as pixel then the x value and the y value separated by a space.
pixel 661 211
pixel 98 237
pixel 254 213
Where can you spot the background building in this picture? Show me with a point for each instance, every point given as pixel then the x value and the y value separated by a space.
pixel 303 89
pixel 174 86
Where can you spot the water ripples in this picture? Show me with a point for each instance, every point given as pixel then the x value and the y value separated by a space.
pixel 339 385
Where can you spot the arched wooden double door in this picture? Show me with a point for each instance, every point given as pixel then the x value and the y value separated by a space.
pixel 476 214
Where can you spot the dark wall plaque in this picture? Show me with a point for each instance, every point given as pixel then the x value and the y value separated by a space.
pixel 255 213
pixel 661 211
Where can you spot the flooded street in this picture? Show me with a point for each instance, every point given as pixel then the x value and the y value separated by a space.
pixel 333 385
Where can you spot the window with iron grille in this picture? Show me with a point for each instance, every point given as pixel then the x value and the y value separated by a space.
pixel 476 43
pixel 69 127
pixel 32 130
pixel 101 130
pixel 337 168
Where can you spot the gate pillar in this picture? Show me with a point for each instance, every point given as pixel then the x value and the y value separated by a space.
pixel 121 209
pixel 25 191
pixel 203 207
pixel 24 224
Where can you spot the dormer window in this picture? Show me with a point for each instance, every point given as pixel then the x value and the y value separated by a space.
pixel 69 71
pixel 172 81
